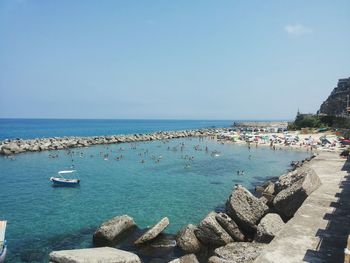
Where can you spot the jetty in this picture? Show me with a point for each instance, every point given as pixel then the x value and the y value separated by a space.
pixel 319 230
pixel 10 147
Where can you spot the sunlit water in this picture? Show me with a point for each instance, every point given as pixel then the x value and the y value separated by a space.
pixel 42 218
pixel 38 128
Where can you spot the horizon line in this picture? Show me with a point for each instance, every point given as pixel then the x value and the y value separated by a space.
pixel 172 119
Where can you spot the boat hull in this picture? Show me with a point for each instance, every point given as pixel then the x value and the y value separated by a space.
pixel 3 254
pixel 64 182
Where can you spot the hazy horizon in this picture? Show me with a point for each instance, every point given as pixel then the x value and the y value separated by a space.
pixel 207 60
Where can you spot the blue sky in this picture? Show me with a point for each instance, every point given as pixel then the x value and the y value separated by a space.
pixel 170 59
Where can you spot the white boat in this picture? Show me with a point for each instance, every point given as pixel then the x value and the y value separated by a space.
pixel 3 245
pixel 63 181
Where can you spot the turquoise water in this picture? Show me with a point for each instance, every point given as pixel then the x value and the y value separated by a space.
pixel 43 218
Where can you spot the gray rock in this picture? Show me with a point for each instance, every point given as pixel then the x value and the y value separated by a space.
pixel 237 252
pixel 6 151
pixel 210 233
pixel 290 178
pixel 187 240
pixel 268 227
pixel 245 209
pixel 35 148
pixel 93 255
pixel 270 188
pixel 191 258
pixel 13 147
pixel 230 226
pixel 263 199
pixel 153 232
pixel 110 230
pixel 288 201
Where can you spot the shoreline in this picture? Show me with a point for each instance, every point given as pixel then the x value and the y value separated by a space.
pixel 16 146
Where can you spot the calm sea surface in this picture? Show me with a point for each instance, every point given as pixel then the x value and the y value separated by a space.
pixel 38 128
pixel 42 218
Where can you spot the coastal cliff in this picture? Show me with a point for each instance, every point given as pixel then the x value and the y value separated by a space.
pixel 337 101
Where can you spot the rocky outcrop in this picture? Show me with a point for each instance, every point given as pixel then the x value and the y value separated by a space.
pixel 153 232
pixel 187 240
pixel 245 209
pixel 93 255
pixel 288 201
pixel 8 147
pixel 191 258
pixel 336 102
pixel 268 227
pixel 110 230
pixel 229 226
pixel 210 233
pixel 237 252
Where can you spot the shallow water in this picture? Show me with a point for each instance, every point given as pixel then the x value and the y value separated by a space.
pixel 42 218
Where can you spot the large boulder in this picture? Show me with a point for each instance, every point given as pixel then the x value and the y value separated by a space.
pixel 187 240
pixel 210 232
pixel 153 232
pixel 287 180
pixel 237 252
pixel 288 201
pixel 93 255
pixel 230 226
pixel 245 209
pixel 268 227
pixel 12 147
pixel 191 258
pixel 110 230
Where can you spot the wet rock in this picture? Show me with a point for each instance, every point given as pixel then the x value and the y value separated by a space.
pixel 245 209
pixel 94 255
pixel 191 258
pixel 210 233
pixel 187 240
pixel 153 232
pixel 110 230
pixel 237 252
pixel 230 226
pixel 268 227
pixel 288 201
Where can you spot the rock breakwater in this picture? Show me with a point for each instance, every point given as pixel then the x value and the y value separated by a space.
pixel 9 147
pixel 238 234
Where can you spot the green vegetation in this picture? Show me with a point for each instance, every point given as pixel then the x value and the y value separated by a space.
pixel 318 122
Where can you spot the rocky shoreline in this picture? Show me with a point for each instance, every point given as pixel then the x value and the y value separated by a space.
pixel 10 147
pixel 238 234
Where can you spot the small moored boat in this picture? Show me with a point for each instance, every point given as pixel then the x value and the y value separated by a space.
pixel 63 181
pixel 3 245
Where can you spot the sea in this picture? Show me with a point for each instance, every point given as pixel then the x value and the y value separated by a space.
pixel 183 179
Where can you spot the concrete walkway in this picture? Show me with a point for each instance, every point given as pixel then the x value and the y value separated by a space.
pixel 319 230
